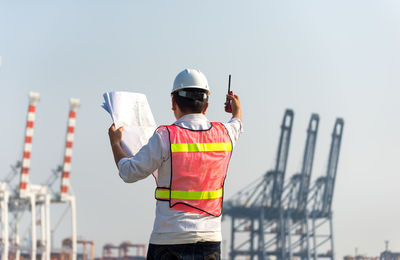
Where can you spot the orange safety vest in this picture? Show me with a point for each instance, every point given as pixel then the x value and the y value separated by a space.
pixel 199 163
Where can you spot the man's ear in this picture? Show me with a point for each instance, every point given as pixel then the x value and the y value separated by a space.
pixel 173 103
pixel 205 109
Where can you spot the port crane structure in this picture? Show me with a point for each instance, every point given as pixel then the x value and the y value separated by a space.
pixel 63 195
pixel 273 220
pixel 321 199
pixel 256 211
pixel 296 219
pixel 18 198
pixel 25 196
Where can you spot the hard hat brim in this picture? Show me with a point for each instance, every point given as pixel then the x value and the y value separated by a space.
pixel 197 87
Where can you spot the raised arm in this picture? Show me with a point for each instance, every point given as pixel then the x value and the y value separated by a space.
pixel 115 141
pixel 235 104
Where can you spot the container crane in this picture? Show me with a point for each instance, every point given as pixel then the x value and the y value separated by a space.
pixel 322 196
pixel 124 251
pixel 67 248
pixel 296 222
pixel 64 194
pixel 108 253
pixel 30 197
pixel 23 197
pixel 257 208
pixel 27 196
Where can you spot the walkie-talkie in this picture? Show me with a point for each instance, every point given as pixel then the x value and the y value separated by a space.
pixel 228 107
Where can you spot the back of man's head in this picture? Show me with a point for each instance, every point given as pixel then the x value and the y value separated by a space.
pixel 191 100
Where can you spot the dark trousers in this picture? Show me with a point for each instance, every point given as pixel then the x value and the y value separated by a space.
pixel 197 251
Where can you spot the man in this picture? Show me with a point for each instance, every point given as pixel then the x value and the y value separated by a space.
pixel 192 157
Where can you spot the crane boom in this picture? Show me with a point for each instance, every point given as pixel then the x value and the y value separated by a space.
pixel 333 161
pixel 26 158
pixel 308 160
pixel 281 160
pixel 66 168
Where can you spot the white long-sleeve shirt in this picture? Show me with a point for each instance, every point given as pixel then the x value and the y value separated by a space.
pixel 173 226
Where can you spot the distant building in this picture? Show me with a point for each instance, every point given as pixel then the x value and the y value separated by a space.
pixel 387 255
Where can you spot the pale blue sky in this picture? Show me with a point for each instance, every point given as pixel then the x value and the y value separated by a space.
pixel 335 58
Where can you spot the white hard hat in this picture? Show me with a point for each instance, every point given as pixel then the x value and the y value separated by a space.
pixel 190 78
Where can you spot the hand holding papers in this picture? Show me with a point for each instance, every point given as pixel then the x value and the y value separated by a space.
pixel 132 111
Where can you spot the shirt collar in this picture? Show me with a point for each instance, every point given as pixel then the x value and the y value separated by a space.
pixel 191 117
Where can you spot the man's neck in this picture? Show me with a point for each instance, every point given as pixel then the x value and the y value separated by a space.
pixel 181 114
pixel 184 114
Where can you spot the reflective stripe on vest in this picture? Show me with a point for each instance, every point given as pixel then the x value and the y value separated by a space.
pixel 199 163
pixel 188 195
pixel 201 147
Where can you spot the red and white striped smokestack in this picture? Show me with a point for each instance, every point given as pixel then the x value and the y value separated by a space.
pixel 66 169
pixel 26 158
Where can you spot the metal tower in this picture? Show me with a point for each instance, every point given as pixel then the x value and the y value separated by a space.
pixel 22 197
pixel 321 201
pixel 296 197
pixel 64 194
pixel 26 197
pixel 256 212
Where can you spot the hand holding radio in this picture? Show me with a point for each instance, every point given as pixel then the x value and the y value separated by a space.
pixel 228 106
pixel 232 103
